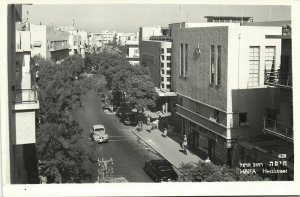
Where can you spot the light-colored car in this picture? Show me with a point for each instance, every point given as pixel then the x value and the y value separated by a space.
pixel 98 133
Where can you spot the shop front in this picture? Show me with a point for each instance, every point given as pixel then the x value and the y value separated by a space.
pixel 205 143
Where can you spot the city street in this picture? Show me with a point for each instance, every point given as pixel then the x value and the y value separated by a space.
pixel 128 153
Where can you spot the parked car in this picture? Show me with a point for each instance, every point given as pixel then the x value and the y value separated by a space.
pixel 98 133
pixel 160 170
pixel 108 107
pixel 129 118
pixel 121 110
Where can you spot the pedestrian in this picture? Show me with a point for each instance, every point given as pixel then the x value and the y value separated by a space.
pixel 156 123
pixel 207 160
pixel 140 125
pixel 163 109
pixel 184 146
pixel 184 137
pixel 148 120
pixel 165 132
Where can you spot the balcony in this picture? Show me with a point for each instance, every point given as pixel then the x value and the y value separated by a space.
pixel 25 100
pixel 279 78
pixel 278 129
pixel 57 47
pixel 161 38
pixel 23 41
pixel 204 122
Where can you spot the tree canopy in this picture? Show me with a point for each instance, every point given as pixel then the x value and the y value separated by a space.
pixel 59 141
pixel 123 78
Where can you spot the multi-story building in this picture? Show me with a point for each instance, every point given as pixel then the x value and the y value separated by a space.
pixel 19 103
pixel 132 54
pixel 123 37
pixel 78 39
pixel 278 138
pixel 48 42
pixel 104 37
pixel 155 54
pixel 218 74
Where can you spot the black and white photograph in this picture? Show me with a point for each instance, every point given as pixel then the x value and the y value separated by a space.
pixel 148 98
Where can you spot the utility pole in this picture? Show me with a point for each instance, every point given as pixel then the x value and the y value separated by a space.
pixel 105 170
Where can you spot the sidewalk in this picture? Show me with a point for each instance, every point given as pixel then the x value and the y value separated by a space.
pixel 166 147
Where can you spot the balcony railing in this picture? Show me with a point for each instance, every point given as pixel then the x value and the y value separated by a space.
pixel 278 77
pixel 161 38
pixel 57 47
pixel 278 129
pixel 203 121
pixel 25 96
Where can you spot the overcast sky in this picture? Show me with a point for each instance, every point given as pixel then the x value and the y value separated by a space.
pixel 129 17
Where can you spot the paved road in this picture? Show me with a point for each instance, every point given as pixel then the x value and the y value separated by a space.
pixel 129 153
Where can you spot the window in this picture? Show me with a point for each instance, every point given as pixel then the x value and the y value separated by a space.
pixel 162 72
pixel 181 60
pixel 243 119
pixel 169 65
pixel 214 116
pixel 219 66
pixel 37 43
pixel 162 64
pixel 168 78
pixel 162 57
pixel 212 64
pixel 162 79
pixel 254 66
pixel 168 72
pixel 162 50
pixel 169 58
pixel 270 57
pixel 169 50
pixel 169 86
pixel 186 59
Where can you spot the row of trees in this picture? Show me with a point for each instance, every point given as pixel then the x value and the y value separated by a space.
pixel 59 143
pixel 124 80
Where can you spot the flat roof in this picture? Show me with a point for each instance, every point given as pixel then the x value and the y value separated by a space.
pixel 268 23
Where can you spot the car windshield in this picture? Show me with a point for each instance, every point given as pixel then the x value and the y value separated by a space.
pixel 99 129
pixel 165 168
pixel 130 117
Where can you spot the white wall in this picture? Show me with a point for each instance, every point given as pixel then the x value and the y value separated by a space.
pixel 241 97
pixel 25 127
pixel 238 54
pixel 38 33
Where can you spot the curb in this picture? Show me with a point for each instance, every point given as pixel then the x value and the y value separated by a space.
pixel 154 149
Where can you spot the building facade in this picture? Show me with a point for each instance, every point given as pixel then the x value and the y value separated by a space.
pixel 278 138
pixel 49 43
pixel 218 72
pixel 20 105
pixel 132 52
pixel 155 54
pixel 104 37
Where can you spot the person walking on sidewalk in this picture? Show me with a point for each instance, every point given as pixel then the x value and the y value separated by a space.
pixel 148 120
pixel 184 146
pixel 165 132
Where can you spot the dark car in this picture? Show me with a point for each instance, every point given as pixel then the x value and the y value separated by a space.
pixel 121 110
pixel 160 170
pixel 129 118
